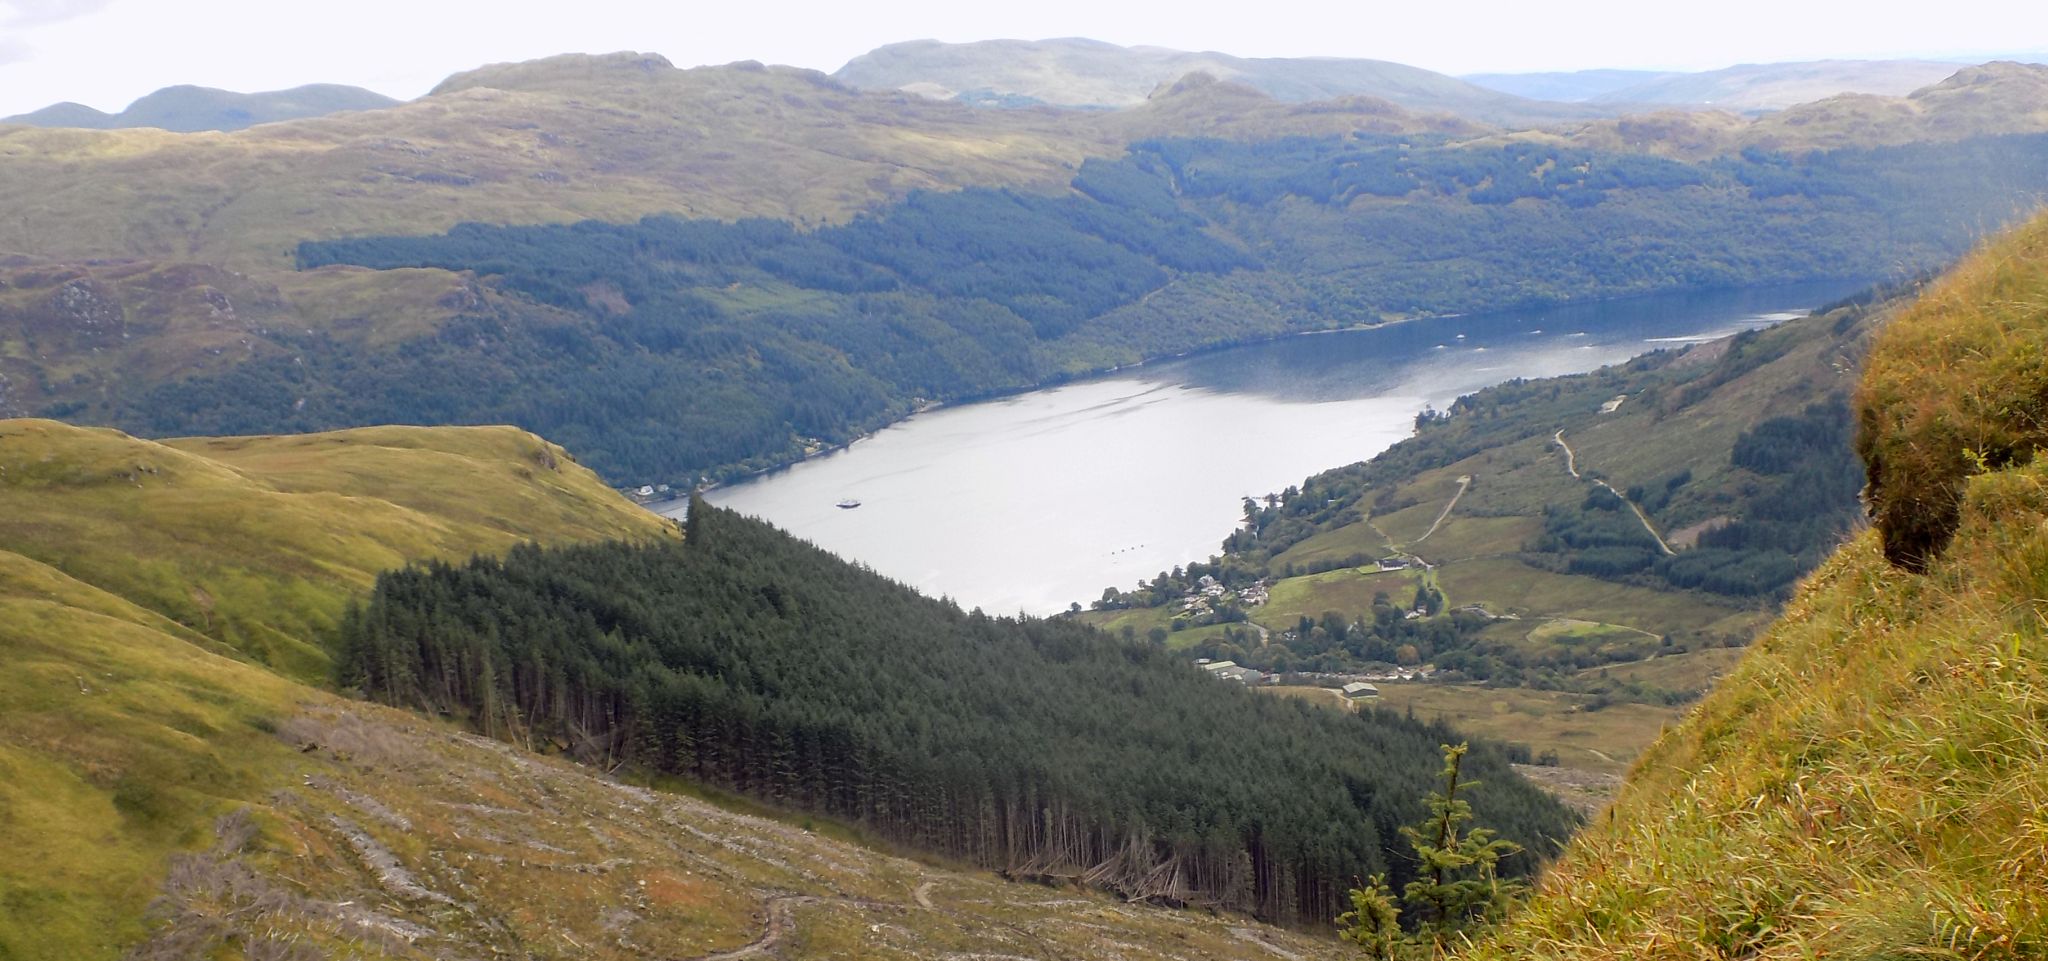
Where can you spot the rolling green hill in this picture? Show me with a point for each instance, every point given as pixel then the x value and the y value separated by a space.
pixel 1987 99
pixel 1869 780
pixel 256 544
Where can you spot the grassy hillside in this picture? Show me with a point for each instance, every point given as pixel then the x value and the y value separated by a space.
pixel 1869 781
pixel 257 543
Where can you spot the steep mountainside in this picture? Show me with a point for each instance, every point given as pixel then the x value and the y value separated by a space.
pixel 186 109
pixel 165 797
pixel 1870 780
pixel 1090 73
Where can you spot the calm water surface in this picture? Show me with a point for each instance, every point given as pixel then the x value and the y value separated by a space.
pixel 1031 502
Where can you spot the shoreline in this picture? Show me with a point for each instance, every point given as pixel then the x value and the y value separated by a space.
pixel 675 503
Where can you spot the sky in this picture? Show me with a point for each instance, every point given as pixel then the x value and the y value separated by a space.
pixel 106 53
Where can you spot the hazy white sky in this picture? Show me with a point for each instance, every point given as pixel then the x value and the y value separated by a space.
pixel 105 53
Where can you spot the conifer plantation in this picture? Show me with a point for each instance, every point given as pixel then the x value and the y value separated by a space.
pixel 1041 748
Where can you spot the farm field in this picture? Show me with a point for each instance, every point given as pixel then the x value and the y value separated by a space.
pixel 1604 740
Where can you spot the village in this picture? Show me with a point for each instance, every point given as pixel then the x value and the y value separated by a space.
pixel 1210 599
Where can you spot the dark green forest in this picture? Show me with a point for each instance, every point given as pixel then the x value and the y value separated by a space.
pixel 752 661
pixel 677 350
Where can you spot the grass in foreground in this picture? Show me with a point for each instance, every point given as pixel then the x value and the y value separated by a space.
pixel 1870 781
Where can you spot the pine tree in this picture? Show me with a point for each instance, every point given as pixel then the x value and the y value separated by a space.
pixel 1459 884
pixel 1374 921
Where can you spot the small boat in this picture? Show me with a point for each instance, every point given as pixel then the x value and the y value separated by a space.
pixel 848 504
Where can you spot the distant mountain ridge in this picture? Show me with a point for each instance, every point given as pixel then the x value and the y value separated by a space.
pixel 189 109
pixel 1752 87
pixel 1573 86
pixel 1078 72
pixel 1743 88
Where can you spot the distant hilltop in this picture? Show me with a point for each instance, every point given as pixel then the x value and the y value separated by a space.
pixel 1744 88
pixel 188 109
pixel 1077 72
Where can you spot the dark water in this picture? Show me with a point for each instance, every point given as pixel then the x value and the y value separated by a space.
pixel 1031 502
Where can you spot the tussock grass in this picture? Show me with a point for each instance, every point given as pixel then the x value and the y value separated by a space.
pixel 1958 385
pixel 1869 782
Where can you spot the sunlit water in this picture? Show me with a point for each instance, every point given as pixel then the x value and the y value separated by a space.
pixel 1031 502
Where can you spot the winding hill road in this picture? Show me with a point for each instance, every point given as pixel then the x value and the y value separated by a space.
pixel 1464 484
pixel 1571 463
